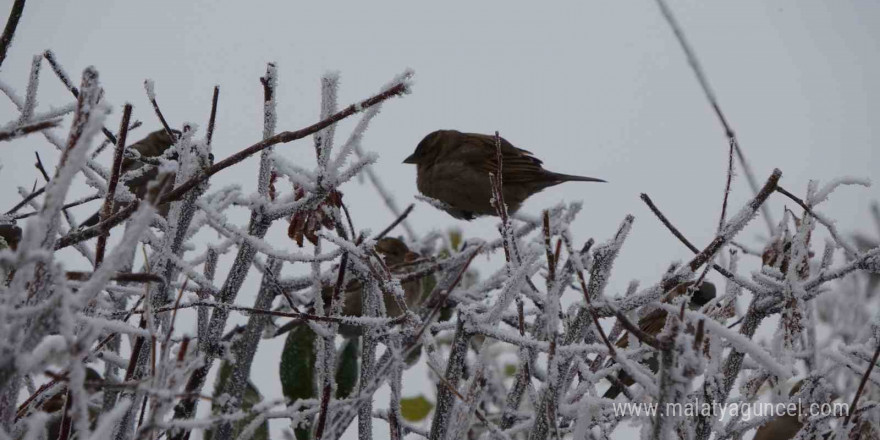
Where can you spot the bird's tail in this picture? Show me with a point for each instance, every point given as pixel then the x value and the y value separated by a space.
pixel 572 178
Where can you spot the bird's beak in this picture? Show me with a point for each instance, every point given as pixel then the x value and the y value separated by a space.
pixel 411 159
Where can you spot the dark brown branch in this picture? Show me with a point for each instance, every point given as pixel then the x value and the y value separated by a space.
pixel 724 272
pixel 41 168
pixel 26 200
pixel 396 222
pixel 115 171
pixel 63 207
pixel 126 277
pixel 24 130
pixel 795 198
pixel 210 134
pixel 152 97
pixel 9 31
pixel 284 137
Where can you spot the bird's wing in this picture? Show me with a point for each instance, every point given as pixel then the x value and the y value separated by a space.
pixel 651 324
pixel 517 165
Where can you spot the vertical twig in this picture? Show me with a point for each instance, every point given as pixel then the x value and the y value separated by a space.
pixel 210 133
pixel 449 382
pixel 107 208
pixel 9 30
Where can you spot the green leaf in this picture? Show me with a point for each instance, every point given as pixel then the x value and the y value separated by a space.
pixel 297 369
pixel 347 368
pixel 416 408
pixel 250 398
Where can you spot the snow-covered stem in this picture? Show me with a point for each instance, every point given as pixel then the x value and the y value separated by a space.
pixel 245 348
pixel 446 387
pixel 23 129
pixel 30 99
pixel 202 317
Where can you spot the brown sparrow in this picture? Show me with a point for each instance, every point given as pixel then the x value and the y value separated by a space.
pixel 453 167
pixel 154 145
pixel 652 323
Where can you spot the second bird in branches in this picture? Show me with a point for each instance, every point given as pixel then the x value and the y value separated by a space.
pixel 453 167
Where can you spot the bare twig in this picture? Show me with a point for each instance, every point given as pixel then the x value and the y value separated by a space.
pixel 796 199
pixel 82 201
pixel 9 31
pixel 151 95
pixel 41 168
pixel 216 97
pixel 26 200
pixel 107 208
pixel 724 272
pixel 396 222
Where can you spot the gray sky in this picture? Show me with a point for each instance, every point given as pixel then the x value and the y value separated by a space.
pixel 594 88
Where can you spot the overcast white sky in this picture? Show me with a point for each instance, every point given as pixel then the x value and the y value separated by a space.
pixel 594 88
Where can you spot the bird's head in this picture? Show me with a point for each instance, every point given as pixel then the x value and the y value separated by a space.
pixel 395 251
pixel 156 143
pixel 428 148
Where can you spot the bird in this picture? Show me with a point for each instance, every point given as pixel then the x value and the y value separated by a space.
pixel 453 167
pixel 395 253
pixel 153 145
pixel 653 323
